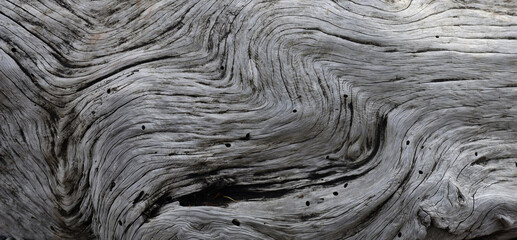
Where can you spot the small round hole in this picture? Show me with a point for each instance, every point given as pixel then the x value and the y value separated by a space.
pixel 422 147
pixel 335 193
pixel 407 142
pixel 119 222
pixel 108 91
pixel 345 96
pixel 222 67
pixel 420 172
pixel 327 157
pixel 476 153
pixel 400 234
pixel 346 185
pixel 236 222
pixel 227 145
pixel 13 50
pixel 307 203
pixel 143 127
pixel 437 36
pixel 295 110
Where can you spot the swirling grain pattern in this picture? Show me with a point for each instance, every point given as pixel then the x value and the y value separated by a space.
pixel 258 119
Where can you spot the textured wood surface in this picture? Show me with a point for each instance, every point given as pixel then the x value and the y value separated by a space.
pixel 248 119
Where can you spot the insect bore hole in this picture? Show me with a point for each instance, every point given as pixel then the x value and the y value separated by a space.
pixel 236 222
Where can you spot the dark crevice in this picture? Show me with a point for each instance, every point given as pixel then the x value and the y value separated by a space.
pixel 480 161
pixel 222 193
pixel 439 80
pixel 222 196
pixel 139 197
pixel 153 209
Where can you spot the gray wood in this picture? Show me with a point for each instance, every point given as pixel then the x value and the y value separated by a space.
pixel 288 119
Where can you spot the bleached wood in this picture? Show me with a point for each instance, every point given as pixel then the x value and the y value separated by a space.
pixel 288 119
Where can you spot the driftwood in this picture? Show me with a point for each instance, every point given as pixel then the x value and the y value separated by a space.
pixel 248 119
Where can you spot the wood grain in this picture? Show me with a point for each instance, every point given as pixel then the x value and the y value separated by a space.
pixel 285 119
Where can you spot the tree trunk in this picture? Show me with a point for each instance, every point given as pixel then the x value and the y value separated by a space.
pixel 250 119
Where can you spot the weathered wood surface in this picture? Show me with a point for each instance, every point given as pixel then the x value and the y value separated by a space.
pixel 258 119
